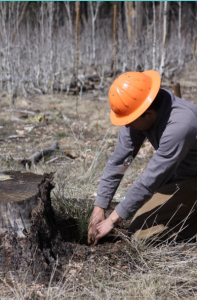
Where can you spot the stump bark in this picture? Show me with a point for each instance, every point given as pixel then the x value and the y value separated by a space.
pixel 30 240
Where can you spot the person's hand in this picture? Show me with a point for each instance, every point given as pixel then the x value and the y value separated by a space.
pixel 98 215
pixel 104 227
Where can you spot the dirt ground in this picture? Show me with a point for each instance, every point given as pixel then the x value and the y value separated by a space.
pixel 86 140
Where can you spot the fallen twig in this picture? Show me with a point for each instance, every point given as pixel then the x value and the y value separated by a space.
pixel 30 128
pixel 12 137
pixel 36 157
pixel 52 160
pixel 22 111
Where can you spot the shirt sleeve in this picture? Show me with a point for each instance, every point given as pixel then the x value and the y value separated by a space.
pixel 129 143
pixel 174 145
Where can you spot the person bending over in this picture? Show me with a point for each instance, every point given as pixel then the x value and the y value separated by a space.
pixel 163 199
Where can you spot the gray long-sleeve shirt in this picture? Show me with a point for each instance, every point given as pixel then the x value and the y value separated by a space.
pixel 174 137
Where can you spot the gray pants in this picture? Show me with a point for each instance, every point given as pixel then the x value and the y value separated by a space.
pixel 172 211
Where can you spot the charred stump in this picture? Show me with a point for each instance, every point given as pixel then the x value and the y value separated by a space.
pixel 30 241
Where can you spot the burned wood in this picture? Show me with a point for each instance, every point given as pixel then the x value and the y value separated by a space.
pixel 36 157
pixel 30 239
pixel 92 77
pixel 177 89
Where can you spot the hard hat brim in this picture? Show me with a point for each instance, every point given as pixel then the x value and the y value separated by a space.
pixel 154 89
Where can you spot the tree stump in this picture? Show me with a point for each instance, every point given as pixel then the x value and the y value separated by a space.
pixel 30 241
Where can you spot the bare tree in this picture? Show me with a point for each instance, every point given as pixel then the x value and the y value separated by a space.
pixel 50 41
pixel 37 42
pixel 77 6
pixel 114 31
pixel 162 65
pixel 138 27
pixel 6 43
pixel 179 36
pixel 154 36
pixel 19 20
pixel 159 37
pixel 67 5
pixel 130 16
pixel 94 13
pixel 147 37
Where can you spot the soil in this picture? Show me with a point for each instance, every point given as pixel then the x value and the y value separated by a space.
pixel 81 134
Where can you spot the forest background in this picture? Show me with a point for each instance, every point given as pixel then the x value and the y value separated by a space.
pixel 58 60
pixel 38 41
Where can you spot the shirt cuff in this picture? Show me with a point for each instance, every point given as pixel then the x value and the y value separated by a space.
pixel 123 213
pixel 102 202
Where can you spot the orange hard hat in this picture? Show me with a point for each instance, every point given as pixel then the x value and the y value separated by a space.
pixel 131 94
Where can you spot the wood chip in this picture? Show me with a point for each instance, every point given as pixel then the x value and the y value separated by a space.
pixel 69 154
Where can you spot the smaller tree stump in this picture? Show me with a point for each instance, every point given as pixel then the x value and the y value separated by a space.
pixel 29 237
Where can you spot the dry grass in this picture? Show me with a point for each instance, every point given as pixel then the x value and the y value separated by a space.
pixel 155 273
pixel 131 270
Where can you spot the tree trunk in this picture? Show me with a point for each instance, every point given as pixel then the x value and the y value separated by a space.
pixel 162 65
pixel 180 62
pixel 154 36
pixel 94 13
pixel 20 20
pixel 130 15
pixel 147 37
pixel 29 237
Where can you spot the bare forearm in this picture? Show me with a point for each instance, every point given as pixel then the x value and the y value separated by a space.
pixel 114 218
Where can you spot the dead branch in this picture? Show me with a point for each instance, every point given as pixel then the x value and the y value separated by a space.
pixel 12 137
pixel 52 160
pixel 22 111
pixel 30 128
pixel 36 157
pixel 16 119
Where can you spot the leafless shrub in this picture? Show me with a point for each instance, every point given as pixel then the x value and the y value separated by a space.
pixel 37 41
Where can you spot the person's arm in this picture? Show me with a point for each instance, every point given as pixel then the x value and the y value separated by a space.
pixel 129 142
pixel 175 144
